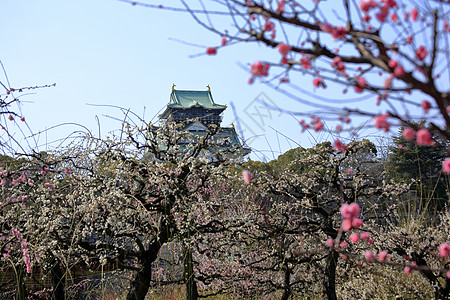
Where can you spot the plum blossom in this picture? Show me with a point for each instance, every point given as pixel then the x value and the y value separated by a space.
pixel 247 177
pixel 364 235
pixel 346 225
pixel 339 145
pixel 259 69
pixel 444 250
pixel 381 122
pixel 399 71
pixel 283 49
pixel 369 255
pixel 318 82
pixel 367 5
pixel 421 53
pixel 354 237
pixel 382 256
pixel 414 14
pixel 424 137
pixel 211 50
pixel 409 134
pixel 306 62
pixel 446 166
pixel 426 105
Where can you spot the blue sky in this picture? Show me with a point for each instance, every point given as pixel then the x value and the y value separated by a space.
pixel 109 52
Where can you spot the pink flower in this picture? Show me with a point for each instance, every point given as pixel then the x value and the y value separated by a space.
pixel 346 225
pixel 367 5
pixel 280 8
pixel 339 145
pixel 364 235
pixel 381 122
pixel 414 14
pixel 444 250
pixel 211 51
pixel 394 17
pixel 424 137
pixel 426 105
pixel 409 134
pixel 338 33
pixel 357 222
pixel 343 244
pixel 446 166
pixel 421 53
pixel 366 18
pixel 369 255
pixel 409 39
pixel 362 82
pixel 354 237
pixel 392 63
pixel 330 242
pixel 283 49
pixel 224 40
pixel 306 62
pixel 247 177
pixel 269 26
pixel 407 270
pixel 382 256
pixel 325 27
pixel 318 82
pixel 259 69
pixel 399 71
pixel 318 125
pixel 11 118
pixel 350 211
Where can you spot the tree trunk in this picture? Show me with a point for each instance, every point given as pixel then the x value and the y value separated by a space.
pixel 329 283
pixel 57 280
pixel 287 282
pixel 141 283
pixel 188 274
pixel 20 283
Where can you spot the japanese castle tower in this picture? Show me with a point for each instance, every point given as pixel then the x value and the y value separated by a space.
pixel 196 112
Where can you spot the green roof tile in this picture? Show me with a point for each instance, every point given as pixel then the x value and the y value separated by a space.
pixel 187 99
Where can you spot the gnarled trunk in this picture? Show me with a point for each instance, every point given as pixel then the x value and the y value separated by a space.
pixel 329 282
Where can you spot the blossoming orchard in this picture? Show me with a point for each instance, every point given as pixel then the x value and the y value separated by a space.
pixel 146 214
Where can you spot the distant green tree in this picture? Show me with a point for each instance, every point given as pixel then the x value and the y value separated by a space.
pixel 408 161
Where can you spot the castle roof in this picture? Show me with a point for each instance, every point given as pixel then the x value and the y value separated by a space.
pixel 183 99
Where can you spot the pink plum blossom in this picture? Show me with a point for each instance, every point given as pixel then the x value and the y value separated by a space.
pixel 446 166
pixel 339 145
pixel 364 235
pixel 357 223
pixel 306 62
pixel 259 69
pixel 424 137
pixel 346 225
pixel 354 237
pixel 381 122
pixel 283 49
pixel 399 71
pixel 367 5
pixel 409 134
pixel 444 250
pixel 414 14
pixel 369 255
pixel 382 256
pixel 426 105
pixel 350 211
pixel 211 50
pixel 247 177
pixel 421 53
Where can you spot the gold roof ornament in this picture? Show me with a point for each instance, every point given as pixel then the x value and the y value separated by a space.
pixel 173 87
pixel 209 88
pixel 232 125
